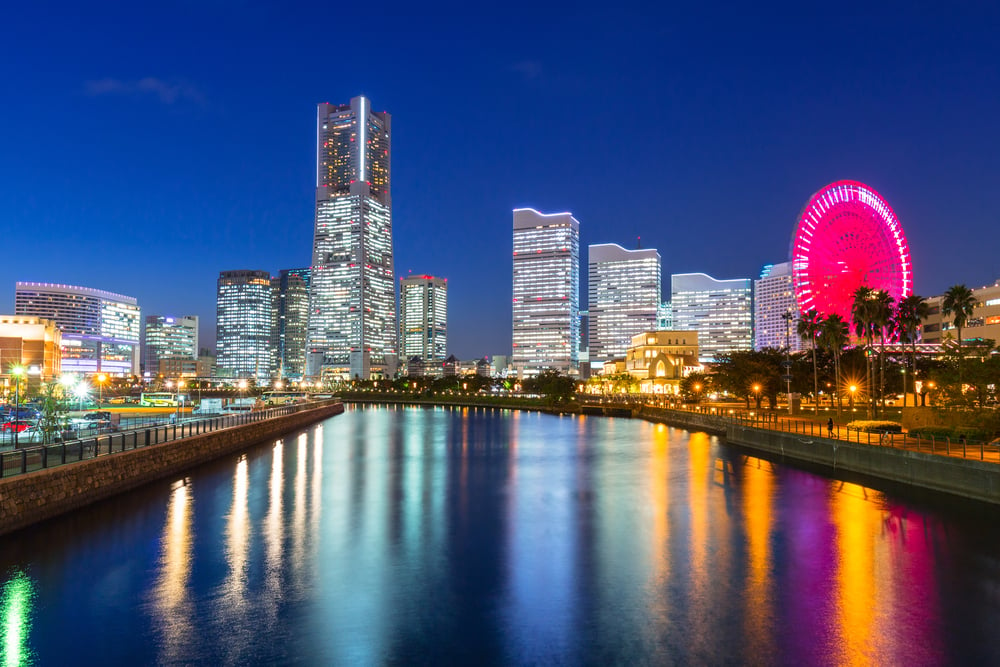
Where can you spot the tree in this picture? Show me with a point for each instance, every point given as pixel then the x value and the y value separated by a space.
pixel 809 327
pixel 739 372
pixel 54 417
pixel 909 313
pixel 555 387
pixel 884 323
pixel 833 337
pixel 959 302
pixel 863 316
pixel 696 385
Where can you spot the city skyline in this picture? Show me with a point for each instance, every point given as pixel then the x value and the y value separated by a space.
pixel 158 192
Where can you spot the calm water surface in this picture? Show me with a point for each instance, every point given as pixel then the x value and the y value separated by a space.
pixel 416 535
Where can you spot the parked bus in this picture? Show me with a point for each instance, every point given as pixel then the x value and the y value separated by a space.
pixel 283 397
pixel 162 399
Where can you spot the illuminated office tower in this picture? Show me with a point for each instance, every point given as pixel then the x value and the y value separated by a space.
pixel 623 288
pixel 423 316
pixel 352 298
pixel 773 296
pixel 100 330
pixel 546 331
pixel 243 324
pixel 721 311
pixel 169 337
pixel 290 294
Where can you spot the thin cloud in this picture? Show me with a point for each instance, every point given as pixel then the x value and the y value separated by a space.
pixel 166 91
pixel 529 69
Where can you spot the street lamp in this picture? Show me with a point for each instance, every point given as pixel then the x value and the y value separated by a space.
pixel 18 373
pixel 756 391
pixel 101 379
pixel 853 389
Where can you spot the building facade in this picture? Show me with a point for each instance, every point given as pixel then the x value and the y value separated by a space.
pixel 100 330
pixel 243 324
pixel 33 343
pixel 168 336
pixel 721 311
pixel 773 297
pixel 658 360
pixel 290 317
pixel 983 324
pixel 546 303
pixel 623 288
pixel 352 309
pixel 423 319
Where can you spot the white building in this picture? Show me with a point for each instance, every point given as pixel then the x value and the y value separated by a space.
pixel 773 296
pixel 721 311
pixel 546 326
pixel 623 288
pixel 100 330
pixel 352 298
pixel 243 325
pixel 423 316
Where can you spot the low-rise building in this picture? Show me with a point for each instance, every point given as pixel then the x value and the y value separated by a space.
pixel 34 344
pixel 983 324
pixel 658 360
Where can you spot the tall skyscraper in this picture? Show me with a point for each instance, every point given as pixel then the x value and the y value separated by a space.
pixel 243 324
pixel 546 331
pixel 721 311
pixel 352 307
pixel 290 294
pixel 423 316
pixel 167 336
pixel 623 287
pixel 100 330
pixel 773 296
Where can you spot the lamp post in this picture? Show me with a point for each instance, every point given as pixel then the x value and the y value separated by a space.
pixel 180 399
pixel 18 373
pixel 101 379
pixel 756 391
pixel 853 389
pixel 787 363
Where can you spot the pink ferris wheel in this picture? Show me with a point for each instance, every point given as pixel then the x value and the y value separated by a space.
pixel 847 237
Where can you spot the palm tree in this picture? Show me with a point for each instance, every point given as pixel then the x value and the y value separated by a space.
pixel 959 301
pixel 863 315
pixel 809 325
pixel 909 313
pixel 833 337
pixel 883 321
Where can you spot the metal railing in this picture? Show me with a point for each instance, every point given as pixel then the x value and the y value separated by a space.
pixel 38 457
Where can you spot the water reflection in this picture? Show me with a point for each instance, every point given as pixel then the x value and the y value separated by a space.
pixel 171 597
pixel 15 620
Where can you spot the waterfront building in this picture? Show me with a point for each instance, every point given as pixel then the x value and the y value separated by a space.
pixel 984 324
pixel 423 320
pixel 773 296
pixel 34 344
pixel 721 311
pixel 99 329
pixel 658 360
pixel 546 301
pixel 243 324
pixel 167 336
pixel 623 288
pixel 352 298
pixel 290 319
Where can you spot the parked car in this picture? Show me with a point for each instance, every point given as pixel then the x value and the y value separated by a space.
pixel 18 425
pixel 95 419
pixel 23 412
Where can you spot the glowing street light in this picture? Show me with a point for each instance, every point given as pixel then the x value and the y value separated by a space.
pixel 18 372
pixel 101 379
pixel 853 389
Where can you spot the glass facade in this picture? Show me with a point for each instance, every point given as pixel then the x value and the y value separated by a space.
pixel 423 316
pixel 243 324
pixel 774 295
pixel 290 293
pixel 623 288
pixel 100 330
pixel 351 329
pixel 721 311
pixel 168 336
pixel 546 325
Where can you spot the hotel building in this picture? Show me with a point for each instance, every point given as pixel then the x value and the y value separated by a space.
pixel 100 330
pixel 546 326
pixel 352 309
pixel 243 324
pixel 721 311
pixel 773 296
pixel 623 288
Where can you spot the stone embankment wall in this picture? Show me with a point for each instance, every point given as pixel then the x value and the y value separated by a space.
pixel 33 497
pixel 978 480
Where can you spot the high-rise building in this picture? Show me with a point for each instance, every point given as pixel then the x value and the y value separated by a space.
pixel 352 306
pixel 665 316
pixel 243 324
pixel 546 331
pixel 721 311
pixel 623 287
pixel 290 293
pixel 167 336
pixel 100 330
pixel 773 297
pixel 423 317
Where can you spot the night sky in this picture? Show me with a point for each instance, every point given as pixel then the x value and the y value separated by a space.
pixel 147 147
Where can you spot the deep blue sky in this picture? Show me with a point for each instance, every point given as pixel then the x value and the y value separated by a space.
pixel 147 147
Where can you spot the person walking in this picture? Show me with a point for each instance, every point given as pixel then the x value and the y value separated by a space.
pixel 829 426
